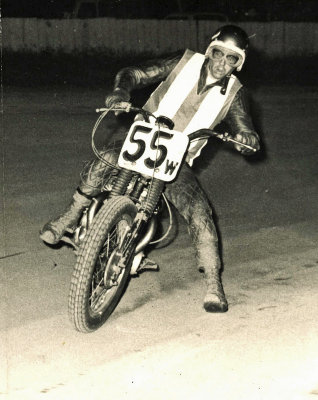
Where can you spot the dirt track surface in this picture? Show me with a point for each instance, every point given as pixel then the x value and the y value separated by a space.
pixel 159 343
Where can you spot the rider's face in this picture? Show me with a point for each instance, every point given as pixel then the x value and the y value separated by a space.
pixel 222 61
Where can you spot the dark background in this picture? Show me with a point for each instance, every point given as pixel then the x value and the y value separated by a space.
pixel 94 69
pixel 239 10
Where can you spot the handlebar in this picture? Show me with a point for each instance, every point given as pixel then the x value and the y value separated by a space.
pixel 225 137
pixel 125 106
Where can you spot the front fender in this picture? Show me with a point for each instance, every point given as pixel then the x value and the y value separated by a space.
pixel 88 216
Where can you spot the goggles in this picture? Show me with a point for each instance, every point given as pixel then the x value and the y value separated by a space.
pixel 231 59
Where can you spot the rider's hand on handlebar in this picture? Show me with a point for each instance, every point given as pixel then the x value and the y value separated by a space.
pixel 117 96
pixel 247 139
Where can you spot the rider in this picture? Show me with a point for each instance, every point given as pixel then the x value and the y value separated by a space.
pixel 197 91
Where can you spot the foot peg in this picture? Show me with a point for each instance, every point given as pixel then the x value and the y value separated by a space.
pixel 142 263
pixel 148 264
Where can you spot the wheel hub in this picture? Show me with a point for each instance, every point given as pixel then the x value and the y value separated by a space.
pixel 113 269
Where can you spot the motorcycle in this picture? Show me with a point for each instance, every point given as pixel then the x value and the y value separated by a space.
pixel 114 230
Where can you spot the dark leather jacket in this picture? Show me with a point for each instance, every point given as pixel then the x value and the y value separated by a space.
pixel 238 119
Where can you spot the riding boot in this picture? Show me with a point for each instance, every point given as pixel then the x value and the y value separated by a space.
pixel 94 178
pixel 214 300
pixel 207 254
pixel 192 203
pixel 53 231
pixel 209 261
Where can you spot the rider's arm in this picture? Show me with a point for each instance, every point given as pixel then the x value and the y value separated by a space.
pixel 130 78
pixel 239 120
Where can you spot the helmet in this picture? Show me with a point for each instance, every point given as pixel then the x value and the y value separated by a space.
pixel 233 38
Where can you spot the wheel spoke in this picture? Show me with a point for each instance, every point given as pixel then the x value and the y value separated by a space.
pixel 98 289
pixel 94 290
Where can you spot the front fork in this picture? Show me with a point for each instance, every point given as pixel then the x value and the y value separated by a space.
pixel 148 204
pixel 145 223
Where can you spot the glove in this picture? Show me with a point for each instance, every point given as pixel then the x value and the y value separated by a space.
pixel 249 139
pixel 116 96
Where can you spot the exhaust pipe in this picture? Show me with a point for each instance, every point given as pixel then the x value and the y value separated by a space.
pixel 151 230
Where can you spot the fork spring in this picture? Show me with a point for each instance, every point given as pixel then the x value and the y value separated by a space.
pixel 121 183
pixel 155 190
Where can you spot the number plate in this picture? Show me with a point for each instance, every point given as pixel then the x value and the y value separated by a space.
pixel 153 153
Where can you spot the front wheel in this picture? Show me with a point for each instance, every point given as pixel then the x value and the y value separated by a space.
pixel 103 266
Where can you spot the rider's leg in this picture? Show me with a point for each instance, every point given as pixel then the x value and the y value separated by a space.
pixel 54 230
pixel 94 176
pixel 189 198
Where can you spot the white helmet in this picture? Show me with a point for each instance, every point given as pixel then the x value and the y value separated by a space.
pixel 233 38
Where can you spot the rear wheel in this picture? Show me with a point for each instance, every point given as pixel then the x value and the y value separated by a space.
pixel 102 268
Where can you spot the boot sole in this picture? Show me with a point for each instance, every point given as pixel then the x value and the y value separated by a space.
pixel 215 308
pixel 48 238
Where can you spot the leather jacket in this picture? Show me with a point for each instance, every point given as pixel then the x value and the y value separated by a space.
pixel 237 119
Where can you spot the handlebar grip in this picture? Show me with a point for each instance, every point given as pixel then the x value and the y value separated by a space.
pixel 121 106
pixel 241 144
pixel 227 138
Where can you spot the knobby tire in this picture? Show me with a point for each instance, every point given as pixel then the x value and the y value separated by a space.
pixel 119 210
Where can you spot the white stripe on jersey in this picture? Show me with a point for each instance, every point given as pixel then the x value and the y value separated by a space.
pixel 180 87
pixel 205 116
pixel 209 109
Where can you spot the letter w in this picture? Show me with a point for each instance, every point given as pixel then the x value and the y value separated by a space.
pixel 170 167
